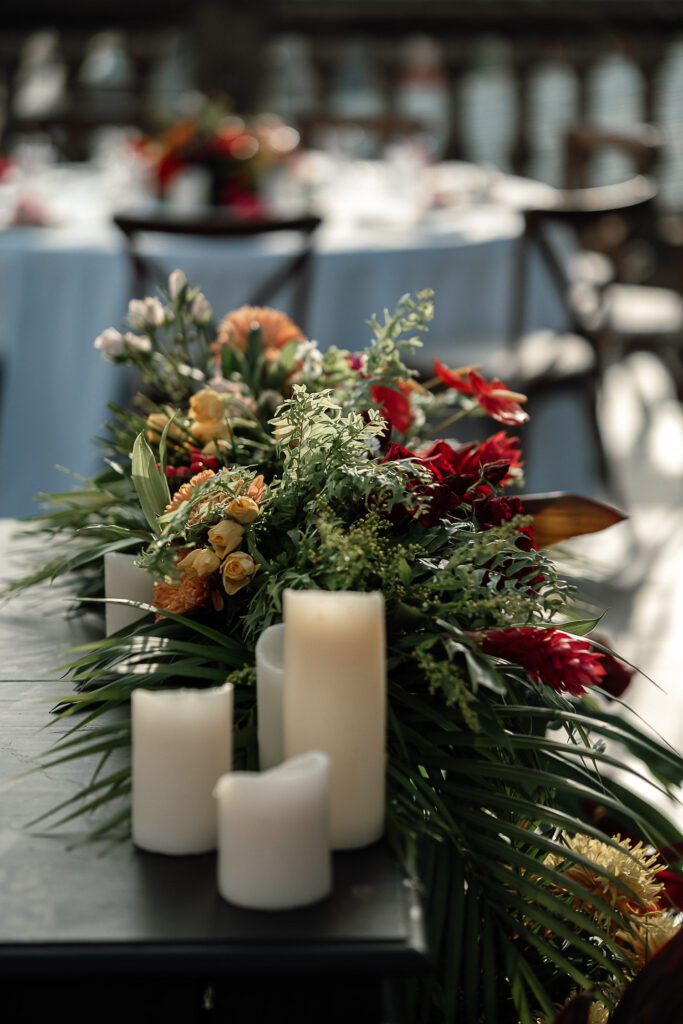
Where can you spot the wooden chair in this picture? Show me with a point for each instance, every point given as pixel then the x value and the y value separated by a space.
pixel 295 271
pixel 600 313
pixel 641 144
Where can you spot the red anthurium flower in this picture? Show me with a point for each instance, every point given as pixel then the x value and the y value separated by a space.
pixel 394 405
pixel 550 656
pixel 491 395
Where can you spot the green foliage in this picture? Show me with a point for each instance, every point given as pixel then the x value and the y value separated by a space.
pixel 487 770
pixel 150 484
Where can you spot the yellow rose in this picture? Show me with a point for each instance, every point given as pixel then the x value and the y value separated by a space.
pixel 206 404
pixel 244 509
pixel 156 421
pixel 200 562
pixel 238 570
pixel 210 430
pixel 225 537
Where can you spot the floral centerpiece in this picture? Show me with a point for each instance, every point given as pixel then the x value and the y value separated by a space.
pixel 268 464
pixel 235 152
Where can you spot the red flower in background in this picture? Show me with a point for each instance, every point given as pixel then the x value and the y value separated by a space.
pixel 673 887
pixel 550 656
pixel 492 396
pixel 168 167
pixel 394 405
pixel 618 675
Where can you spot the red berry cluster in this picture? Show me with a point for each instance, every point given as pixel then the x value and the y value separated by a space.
pixel 198 463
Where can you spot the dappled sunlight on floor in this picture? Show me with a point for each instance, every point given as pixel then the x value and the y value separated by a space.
pixel 634 571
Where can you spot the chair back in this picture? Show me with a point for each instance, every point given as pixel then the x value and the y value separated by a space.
pixel 295 270
pixel 576 209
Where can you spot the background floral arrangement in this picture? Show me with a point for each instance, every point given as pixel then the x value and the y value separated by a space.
pixel 236 153
pixel 256 462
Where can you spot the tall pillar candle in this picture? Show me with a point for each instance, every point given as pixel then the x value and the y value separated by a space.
pixel 273 835
pixel 124 579
pixel 335 701
pixel 182 745
pixel 269 683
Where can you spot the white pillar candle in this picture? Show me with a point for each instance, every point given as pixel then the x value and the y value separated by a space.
pixel 335 700
pixel 273 835
pixel 269 681
pixel 124 579
pixel 182 744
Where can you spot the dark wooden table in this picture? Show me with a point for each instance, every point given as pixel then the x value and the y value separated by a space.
pixel 133 935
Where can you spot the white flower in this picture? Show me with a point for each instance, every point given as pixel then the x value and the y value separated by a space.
pixel 185 370
pixel 311 359
pixel 176 283
pixel 201 311
pixel 145 313
pixel 110 343
pixel 137 342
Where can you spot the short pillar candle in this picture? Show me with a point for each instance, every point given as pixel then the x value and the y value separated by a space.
pixel 335 701
pixel 269 684
pixel 273 835
pixel 124 579
pixel 181 746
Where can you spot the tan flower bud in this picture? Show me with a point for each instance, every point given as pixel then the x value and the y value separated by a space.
pixel 237 571
pixel 210 430
pixel 206 404
pixel 256 488
pixel 225 537
pixel 156 421
pixel 200 562
pixel 243 509
pixel 216 448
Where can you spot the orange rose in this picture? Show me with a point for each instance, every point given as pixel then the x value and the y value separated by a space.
pixel 243 509
pixel 238 570
pixel 200 562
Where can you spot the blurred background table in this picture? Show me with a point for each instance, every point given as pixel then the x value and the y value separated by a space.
pixel 61 285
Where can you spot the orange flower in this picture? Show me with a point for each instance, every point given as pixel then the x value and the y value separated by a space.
pixel 185 492
pixel 179 134
pixel 237 570
pixel 256 488
pixel 277 328
pixel 179 598
pixel 243 509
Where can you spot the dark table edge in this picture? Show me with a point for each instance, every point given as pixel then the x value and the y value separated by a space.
pixel 192 959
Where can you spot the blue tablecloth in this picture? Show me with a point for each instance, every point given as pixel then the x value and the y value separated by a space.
pixel 60 288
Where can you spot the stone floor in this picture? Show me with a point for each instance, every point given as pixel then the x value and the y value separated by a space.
pixel 634 571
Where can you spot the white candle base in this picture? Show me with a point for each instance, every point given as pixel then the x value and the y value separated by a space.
pixel 269 684
pixel 181 746
pixel 124 579
pixel 273 835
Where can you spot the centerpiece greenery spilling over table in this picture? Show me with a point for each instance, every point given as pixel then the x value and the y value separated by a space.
pixel 254 462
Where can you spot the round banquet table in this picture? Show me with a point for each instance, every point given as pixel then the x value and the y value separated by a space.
pixel 61 286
